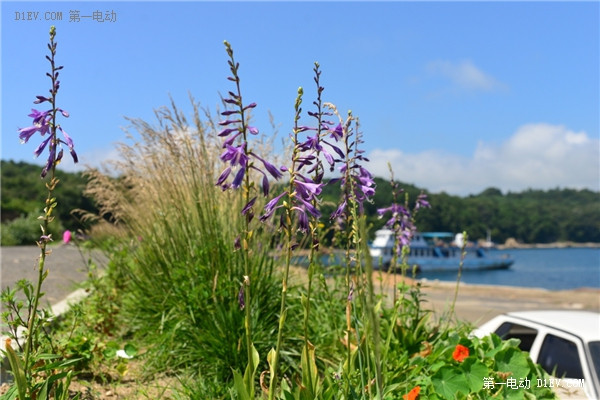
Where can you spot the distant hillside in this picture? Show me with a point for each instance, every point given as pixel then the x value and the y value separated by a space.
pixel 24 193
pixel 532 216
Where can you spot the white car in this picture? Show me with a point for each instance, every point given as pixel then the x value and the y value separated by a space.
pixel 565 343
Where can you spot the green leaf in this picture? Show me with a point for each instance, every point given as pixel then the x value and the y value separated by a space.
pixel 474 372
pixel 250 372
pixel 512 360
pixel 17 370
pixel 130 350
pixel 239 387
pixel 43 393
pixel 109 352
pixel 448 381
pixel 310 377
pixel 11 394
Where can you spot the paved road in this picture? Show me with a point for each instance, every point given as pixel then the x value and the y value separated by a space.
pixel 67 267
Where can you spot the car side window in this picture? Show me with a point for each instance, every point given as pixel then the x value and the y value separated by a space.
pixel 561 354
pixel 525 334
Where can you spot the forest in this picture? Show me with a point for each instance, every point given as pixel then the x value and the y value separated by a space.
pixel 531 216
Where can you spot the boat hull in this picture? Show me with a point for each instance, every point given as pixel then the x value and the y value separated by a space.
pixel 441 265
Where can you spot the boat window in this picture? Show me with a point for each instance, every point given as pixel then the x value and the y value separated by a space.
pixel 560 357
pixel 525 334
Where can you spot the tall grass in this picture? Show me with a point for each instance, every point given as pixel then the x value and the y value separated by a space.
pixel 184 273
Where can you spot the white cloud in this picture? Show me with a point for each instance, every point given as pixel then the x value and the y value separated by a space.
pixel 464 75
pixel 537 156
pixel 97 158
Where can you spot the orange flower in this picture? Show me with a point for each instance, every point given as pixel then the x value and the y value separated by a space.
pixel 413 394
pixel 460 353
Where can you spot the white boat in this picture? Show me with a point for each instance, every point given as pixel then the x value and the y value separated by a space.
pixel 435 251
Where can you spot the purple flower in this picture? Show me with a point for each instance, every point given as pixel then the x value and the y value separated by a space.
pixel 248 206
pixel 41 147
pixel 340 210
pixel 308 207
pixel 51 159
pixel 402 220
pixel 302 219
pixel 338 132
pixel 422 202
pixel 229 122
pixel 26 133
pixel 38 116
pixel 271 206
pixel 223 176
pixel 242 297
pixel 45 121
pixel 235 155
pixel 308 189
pixel 265 185
pixel 227 131
pixel 271 169
pixel 235 127
pixel 313 143
pixel 69 142
pixel 356 180
pixel 40 99
pixel 237 181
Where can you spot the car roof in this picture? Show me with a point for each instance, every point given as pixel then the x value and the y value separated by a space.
pixel 585 324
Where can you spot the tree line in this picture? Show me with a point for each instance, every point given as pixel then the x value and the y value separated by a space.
pixel 531 216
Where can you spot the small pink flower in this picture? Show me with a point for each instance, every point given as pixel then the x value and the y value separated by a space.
pixel 67 237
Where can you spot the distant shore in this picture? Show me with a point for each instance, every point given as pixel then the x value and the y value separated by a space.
pixel 513 244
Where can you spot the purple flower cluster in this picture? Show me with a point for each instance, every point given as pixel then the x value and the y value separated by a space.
pixel 357 182
pixel 44 122
pixel 402 220
pixel 304 191
pixel 235 131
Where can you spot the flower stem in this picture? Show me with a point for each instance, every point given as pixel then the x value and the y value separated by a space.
pixel 289 230
pixel 282 309
pixel 463 254
pixel 47 218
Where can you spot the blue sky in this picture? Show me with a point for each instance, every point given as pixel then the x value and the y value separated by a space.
pixel 457 96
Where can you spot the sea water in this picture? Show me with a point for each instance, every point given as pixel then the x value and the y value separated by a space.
pixel 554 269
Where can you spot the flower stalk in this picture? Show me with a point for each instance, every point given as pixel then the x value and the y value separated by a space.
pixel 242 160
pixel 44 122
pixel 287 225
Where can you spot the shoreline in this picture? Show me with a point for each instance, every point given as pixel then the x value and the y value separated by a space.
pixel 513 244
pixel 478 303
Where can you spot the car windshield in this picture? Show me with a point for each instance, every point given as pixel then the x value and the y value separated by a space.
pixel 595 352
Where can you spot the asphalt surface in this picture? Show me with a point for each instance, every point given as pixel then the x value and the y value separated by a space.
pixel 67 268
